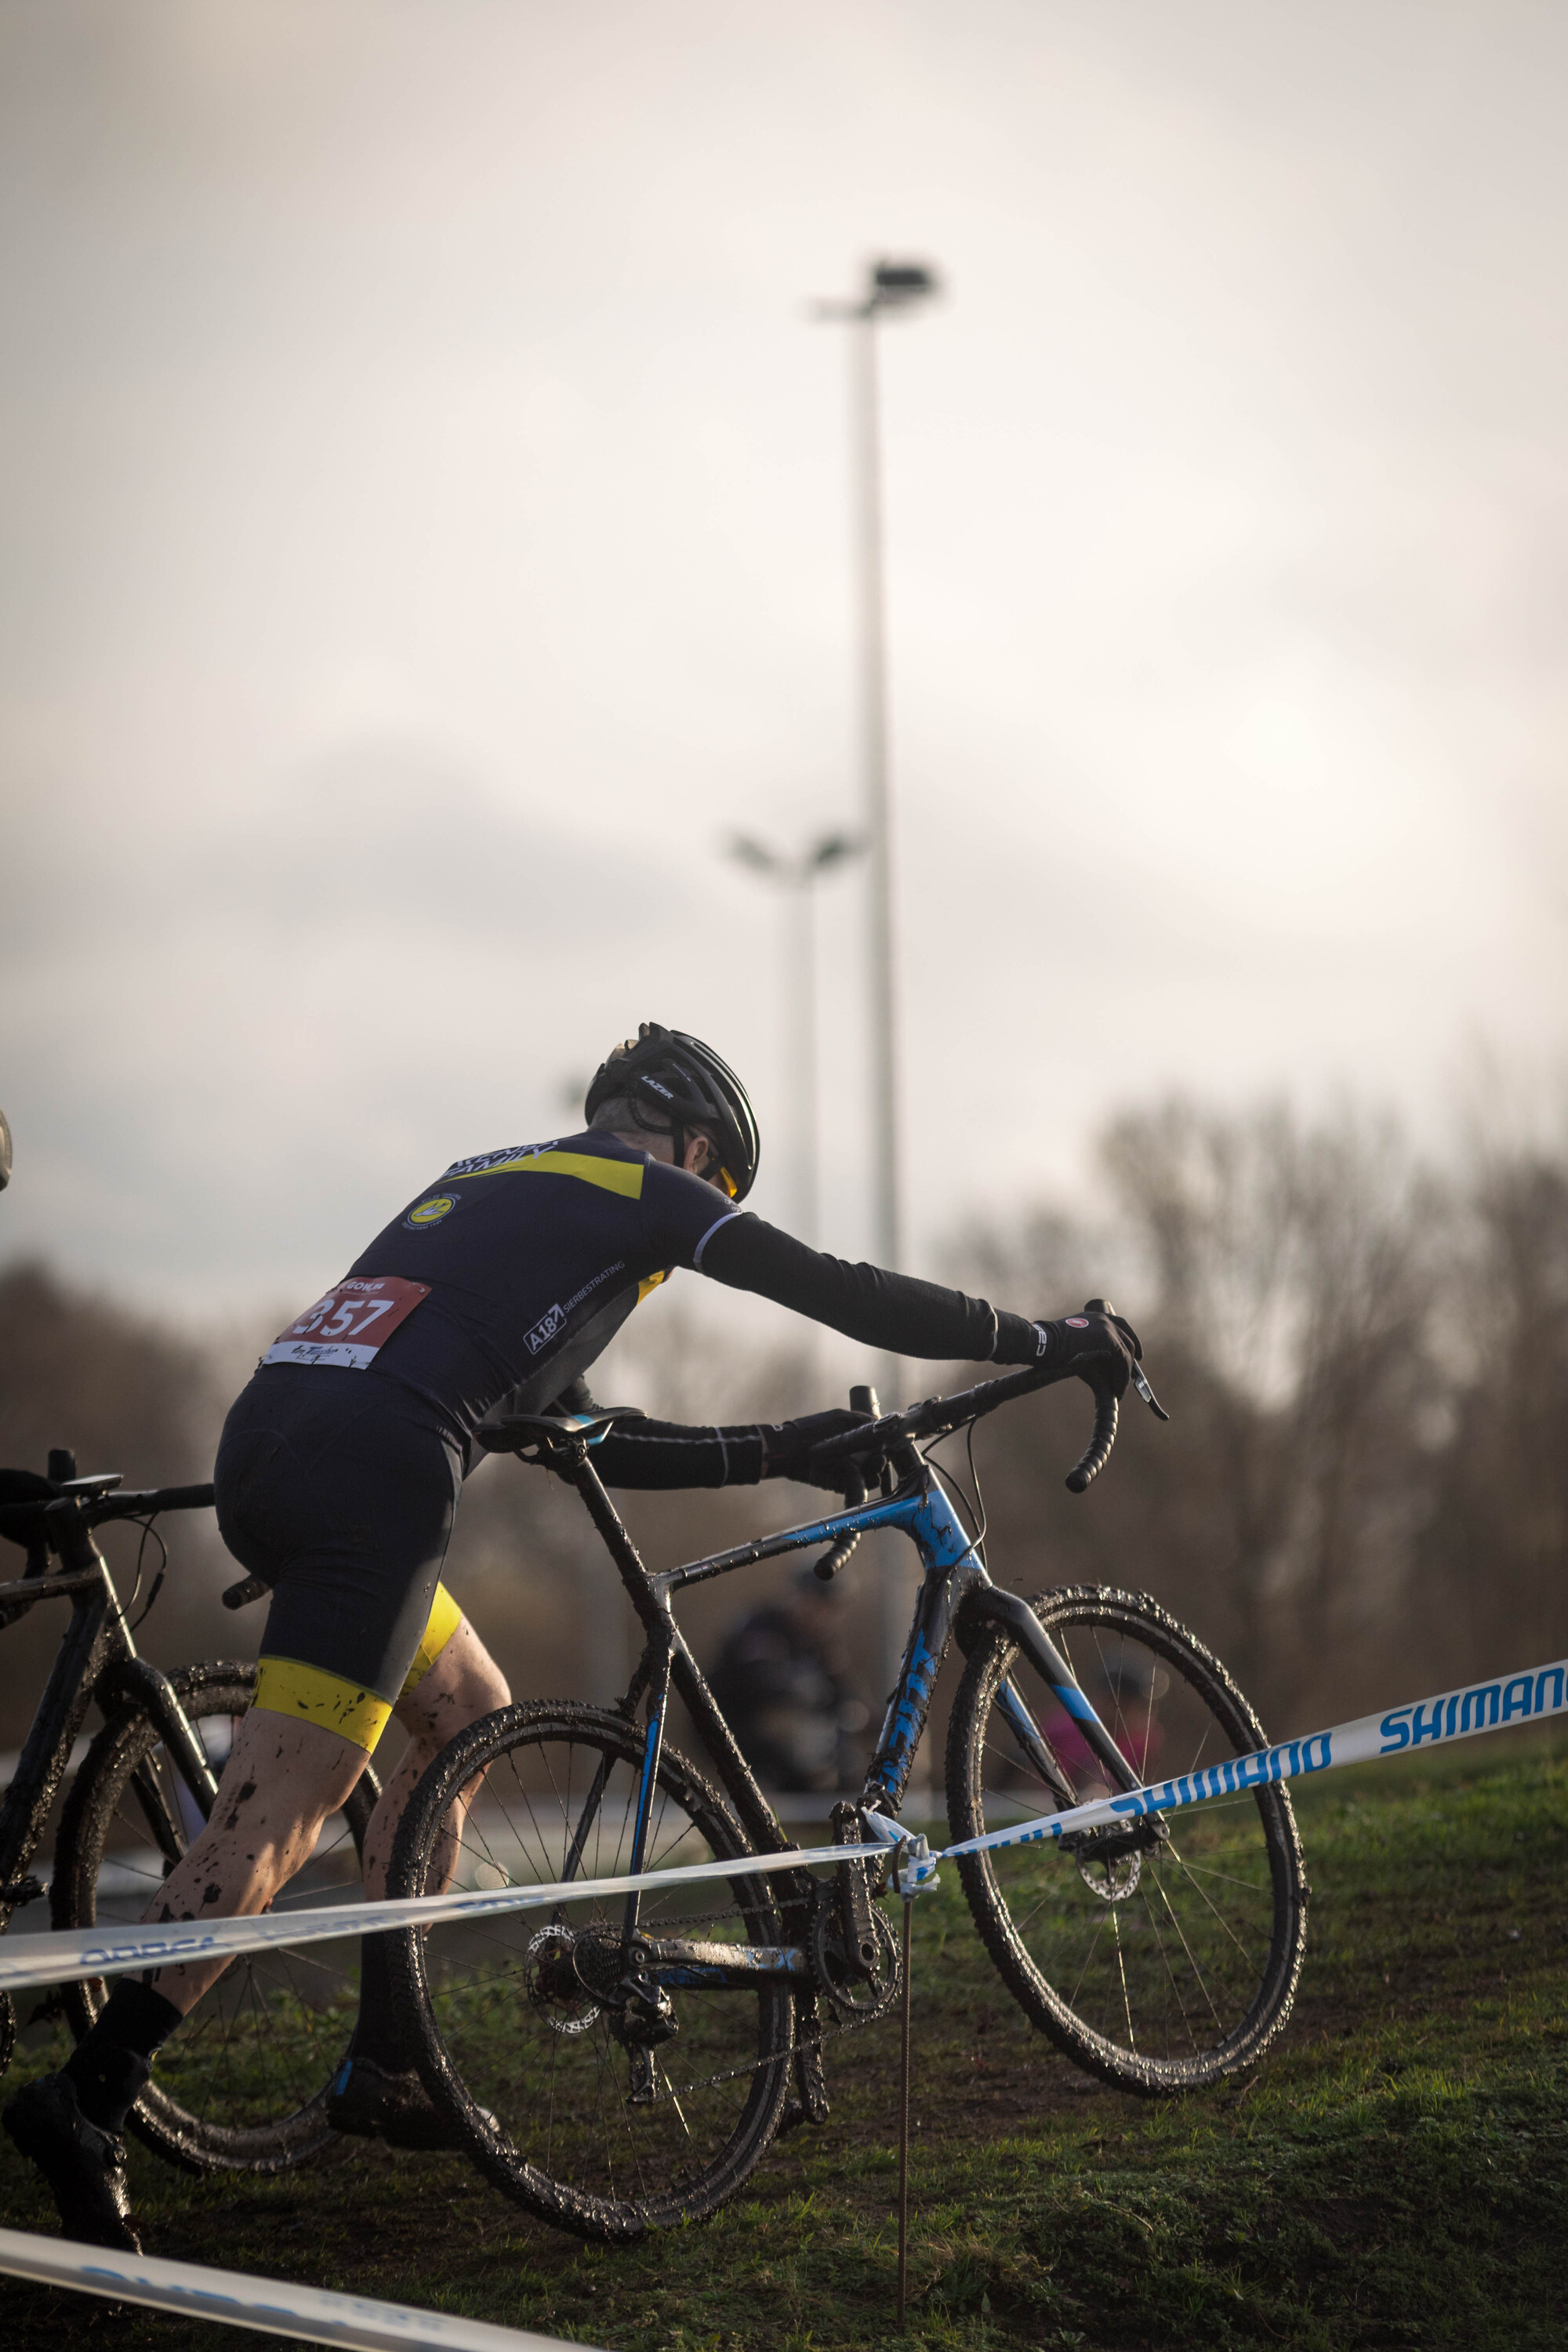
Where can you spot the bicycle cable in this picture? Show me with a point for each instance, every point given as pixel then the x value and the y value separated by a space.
pixel 974 1512
pixel 148 1529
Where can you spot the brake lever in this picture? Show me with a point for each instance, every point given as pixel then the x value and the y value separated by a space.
pixel 1147 1393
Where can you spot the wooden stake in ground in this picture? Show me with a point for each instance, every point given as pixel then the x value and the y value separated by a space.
pixel 904 2125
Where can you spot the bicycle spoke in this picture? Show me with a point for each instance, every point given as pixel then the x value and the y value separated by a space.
pixel 532 2011
pixel 242 2081
pixel 1155 1961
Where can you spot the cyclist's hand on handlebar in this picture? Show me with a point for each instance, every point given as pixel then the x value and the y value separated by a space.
pixel 1099 1346
pixel 788 1446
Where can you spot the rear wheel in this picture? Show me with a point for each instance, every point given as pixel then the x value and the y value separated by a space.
pixel 1160 1955
pixel 606 2116
pixel 242 2085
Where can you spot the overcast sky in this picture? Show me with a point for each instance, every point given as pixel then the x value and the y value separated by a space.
pixel 426 533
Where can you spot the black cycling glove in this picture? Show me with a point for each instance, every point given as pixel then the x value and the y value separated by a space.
pixel 1099 1346
pixel 789 1446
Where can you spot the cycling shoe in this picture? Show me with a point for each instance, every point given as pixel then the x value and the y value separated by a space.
pixel 374 2103
pixel 84 2167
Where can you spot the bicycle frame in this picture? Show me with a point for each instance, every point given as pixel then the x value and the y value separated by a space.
pixel 97 1660
pixel 955 1592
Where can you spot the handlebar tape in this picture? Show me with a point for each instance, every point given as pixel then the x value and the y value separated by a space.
pixel 1106 1412
pixel 95 1508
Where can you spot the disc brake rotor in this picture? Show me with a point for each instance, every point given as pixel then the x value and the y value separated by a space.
pixel 554 1989
pixel 1113 1877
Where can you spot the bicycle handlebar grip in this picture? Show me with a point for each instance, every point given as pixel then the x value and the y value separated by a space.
pixel 248 1589
pixel 182 1498
pixel 828 1566
pixel 1106 1414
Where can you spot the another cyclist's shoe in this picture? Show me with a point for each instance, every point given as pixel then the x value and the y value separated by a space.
pixel 84 2167
pixel 375 2104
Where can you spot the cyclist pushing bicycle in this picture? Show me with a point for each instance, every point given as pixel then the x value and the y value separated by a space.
pixel 337 1482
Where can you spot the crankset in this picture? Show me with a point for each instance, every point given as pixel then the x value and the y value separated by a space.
pixel 858 1980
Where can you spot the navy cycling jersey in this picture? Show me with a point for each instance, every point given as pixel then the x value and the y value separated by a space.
pixel 530 1259
pixel 510 1275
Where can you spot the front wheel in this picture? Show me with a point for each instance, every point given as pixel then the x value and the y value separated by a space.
pixel 1161 1958
pixel 242 2085
pixel 604 2114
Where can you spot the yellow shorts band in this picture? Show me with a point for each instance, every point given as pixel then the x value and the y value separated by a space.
pixel 309 1694
pixel 439 1627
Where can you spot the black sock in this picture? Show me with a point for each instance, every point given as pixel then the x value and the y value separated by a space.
pixel 376 2034
pixel 111 2063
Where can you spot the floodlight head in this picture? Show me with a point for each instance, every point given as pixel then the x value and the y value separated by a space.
pixel 745 850
pixel 895 285
pixel 832 847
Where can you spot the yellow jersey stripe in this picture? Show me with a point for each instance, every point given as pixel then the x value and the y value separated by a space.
pixel 649 1282
pixel 439 1627
pixel 622 1176
pixel 309 1694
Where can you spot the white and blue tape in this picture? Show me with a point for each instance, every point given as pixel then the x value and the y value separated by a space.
pixel 107 1951
pixel 271 2306
pixel 1530 1696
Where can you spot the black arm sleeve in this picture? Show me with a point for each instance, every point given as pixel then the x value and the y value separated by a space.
pixel 666 1453
pixel 647 1453
pixel 890 1311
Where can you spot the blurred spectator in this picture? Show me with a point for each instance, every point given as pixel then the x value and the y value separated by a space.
pixel 780 1681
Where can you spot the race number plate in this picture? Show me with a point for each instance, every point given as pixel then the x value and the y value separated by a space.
pixel 348 1326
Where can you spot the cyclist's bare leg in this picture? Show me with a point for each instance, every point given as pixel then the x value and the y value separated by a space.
pixel 463 1684
pixel 282 1780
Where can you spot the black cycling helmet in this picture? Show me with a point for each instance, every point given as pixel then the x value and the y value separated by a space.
pixel 673 1082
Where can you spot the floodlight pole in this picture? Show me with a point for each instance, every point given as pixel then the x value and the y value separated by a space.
pixel 890 288
pixel 888 1240
pixel 799 877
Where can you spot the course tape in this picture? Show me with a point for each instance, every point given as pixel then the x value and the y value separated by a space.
pixel 1525 1697
pixel 1528 1696
pixel 272 2306
pixel 108 1951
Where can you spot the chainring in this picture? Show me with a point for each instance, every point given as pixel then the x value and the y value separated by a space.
pixel 847 1991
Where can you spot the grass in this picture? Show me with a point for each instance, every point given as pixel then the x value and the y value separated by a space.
pixel 1396 2175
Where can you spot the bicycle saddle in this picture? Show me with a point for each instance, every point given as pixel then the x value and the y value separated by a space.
pixel 511 1432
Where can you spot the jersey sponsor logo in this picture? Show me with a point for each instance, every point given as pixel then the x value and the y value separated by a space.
pixel 610 1175
pixel 483 1163
pixel 591 1285
pixel 430 1211
pixel 550 1327
pixel 544 1330
pixel 1076 1322
pixel 349 1324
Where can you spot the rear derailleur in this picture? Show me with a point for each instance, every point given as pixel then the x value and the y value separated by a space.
pixel 578 1976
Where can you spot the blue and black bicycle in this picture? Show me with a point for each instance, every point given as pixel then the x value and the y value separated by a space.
pixel 619 2067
